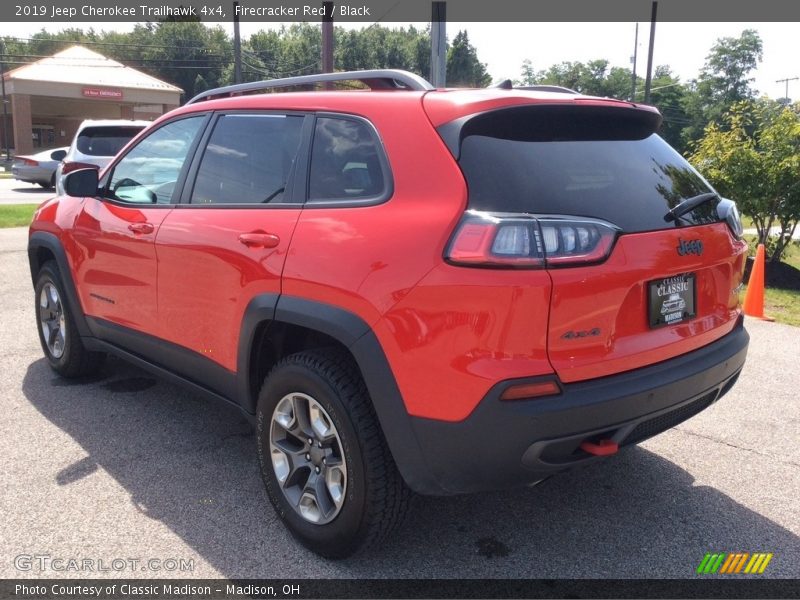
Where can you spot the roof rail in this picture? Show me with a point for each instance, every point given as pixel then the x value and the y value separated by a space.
pixel 376 79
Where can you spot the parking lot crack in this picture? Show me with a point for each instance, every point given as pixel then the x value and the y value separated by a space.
pixel 730 445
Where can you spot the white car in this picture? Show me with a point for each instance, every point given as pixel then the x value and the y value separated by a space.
pixel 96 143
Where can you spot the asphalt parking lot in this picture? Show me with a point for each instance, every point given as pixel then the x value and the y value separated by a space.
pixel 13 191
pixel 126 466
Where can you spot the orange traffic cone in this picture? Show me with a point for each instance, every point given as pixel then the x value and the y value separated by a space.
pixel 754 298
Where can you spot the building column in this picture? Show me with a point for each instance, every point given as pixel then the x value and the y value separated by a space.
pixel 22 123
pixel 126 111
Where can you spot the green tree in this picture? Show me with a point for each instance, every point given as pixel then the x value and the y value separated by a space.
pixel 753 156
pixel 527 74
pixel 668 94
pixel 594 78
pixel 463 67
pixel 723 81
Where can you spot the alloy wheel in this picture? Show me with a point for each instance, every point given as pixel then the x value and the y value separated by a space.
pixel 51 320
pixel 307 458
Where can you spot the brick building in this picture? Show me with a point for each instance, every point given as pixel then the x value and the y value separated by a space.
pixel 48 99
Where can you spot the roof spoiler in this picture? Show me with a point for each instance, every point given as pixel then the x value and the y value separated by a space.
pixel 507 84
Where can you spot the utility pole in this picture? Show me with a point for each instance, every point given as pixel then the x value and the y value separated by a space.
pixel 237 46
pixel 327 37
pixel 633 59
pixel 786 81
pixel 438 44
pixel 649 80
pixel 5 109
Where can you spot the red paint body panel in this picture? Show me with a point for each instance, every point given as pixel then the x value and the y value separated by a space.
pixel 115 267
pixel 613 298
pixel 462 330
pixel 366 259
pixel 206 276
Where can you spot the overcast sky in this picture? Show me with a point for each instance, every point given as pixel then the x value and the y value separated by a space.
pixel 503 46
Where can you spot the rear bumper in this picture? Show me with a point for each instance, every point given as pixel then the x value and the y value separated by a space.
pixel 509 443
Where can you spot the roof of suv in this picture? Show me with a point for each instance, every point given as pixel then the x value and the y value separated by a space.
pixel 441 105
pixel 112 123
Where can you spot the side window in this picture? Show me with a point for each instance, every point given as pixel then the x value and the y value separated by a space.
pixel 248 159
pixel 148 172
pixel 345 161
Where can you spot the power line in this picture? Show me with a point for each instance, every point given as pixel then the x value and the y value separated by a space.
pixel 786 81
pixel 93 43
pixel 195 68
pixel 67 58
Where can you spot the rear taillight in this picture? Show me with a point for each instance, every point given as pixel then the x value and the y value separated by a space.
pixel 529 241
pixel 69 167
pixel 28 162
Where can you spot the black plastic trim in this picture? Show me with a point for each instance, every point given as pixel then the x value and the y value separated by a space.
pixel 453 132
pixel 510 443
pixel 98 345
pixel 260 310
pixel 356 335
pixel 186 364
pixel 42 239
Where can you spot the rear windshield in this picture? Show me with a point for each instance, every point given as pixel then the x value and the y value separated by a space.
pixel 105 141
pixel 631 183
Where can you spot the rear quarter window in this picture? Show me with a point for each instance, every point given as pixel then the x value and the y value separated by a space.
pixel 347 162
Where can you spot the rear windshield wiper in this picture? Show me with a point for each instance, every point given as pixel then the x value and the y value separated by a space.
pixel 688 206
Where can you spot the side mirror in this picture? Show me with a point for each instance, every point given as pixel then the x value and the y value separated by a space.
pixel 58 155
pixel 82 183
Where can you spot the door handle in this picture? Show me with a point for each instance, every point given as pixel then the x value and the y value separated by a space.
pixel 141 227
pixel 259 239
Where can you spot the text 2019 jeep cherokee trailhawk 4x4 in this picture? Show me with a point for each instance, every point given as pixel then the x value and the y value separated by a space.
pixel 442 290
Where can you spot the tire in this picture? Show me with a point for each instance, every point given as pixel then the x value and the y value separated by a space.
pixel 58 335
pixel 325 387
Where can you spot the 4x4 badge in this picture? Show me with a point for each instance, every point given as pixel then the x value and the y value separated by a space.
pixel 689 247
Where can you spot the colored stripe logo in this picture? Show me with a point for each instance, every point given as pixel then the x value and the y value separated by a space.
pixel 733 563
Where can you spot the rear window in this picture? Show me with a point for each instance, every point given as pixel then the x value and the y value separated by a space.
pixel 105 140
pixel 590 171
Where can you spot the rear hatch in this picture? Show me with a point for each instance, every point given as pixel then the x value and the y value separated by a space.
pixel 586 191
pixel 98 144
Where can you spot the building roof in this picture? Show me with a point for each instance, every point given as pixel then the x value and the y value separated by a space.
pixel 79 65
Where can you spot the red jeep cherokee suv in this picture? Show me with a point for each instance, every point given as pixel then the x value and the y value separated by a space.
pixel 404 288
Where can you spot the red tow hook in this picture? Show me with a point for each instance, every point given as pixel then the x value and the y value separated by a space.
pixel 601 448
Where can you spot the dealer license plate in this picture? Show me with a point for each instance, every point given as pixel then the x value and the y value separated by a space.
pixel 671 300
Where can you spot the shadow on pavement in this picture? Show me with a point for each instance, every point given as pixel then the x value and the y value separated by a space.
pixel 191 464
pixel 34 189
